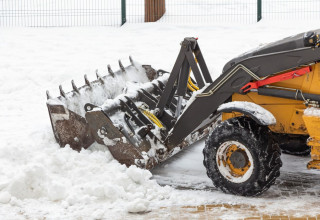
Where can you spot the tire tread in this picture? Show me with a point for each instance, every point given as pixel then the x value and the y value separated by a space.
pixel 269 156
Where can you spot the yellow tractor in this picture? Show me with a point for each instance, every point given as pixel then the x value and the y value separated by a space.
pixel 263 100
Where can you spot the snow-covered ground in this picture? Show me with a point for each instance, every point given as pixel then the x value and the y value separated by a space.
pixel 39 180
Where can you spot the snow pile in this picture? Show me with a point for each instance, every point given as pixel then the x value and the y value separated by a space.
pixel 80 179
pixel 260 113
pixel 312 111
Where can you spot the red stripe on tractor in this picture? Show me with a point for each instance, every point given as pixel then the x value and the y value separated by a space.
pixel 285 76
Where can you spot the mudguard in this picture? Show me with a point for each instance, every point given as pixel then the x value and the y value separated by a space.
pixel 259 114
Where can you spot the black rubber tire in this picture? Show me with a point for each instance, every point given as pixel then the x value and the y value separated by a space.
pixel 265 154
pixel 293 144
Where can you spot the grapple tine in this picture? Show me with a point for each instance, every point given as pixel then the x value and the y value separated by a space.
pixel 110 71
pixel 87 81
pixel 132 63
pixel 74 87
pixel 48 94
pixel 99 77
pixel 131 60
pixel 62 93
pixel 97 74
pixel 121 66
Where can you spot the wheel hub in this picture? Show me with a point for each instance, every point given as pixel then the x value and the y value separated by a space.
pixel 239 159
pixel 234 161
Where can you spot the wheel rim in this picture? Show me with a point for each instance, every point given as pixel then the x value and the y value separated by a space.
pixel 234 161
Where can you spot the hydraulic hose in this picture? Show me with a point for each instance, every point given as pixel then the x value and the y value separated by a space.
pixel 190 84
pixel 153 118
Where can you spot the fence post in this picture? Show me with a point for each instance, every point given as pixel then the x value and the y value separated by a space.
pixel 154 10
pixel 259 10
pixel 123 12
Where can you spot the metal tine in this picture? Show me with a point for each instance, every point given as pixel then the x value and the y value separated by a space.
pixel 74 87
pixel 99 77
pixel 62 93
pixel 132 63
pixel 48 95
pixel 121 67
pixel 87 81
pixel 131 60
pixel 110 71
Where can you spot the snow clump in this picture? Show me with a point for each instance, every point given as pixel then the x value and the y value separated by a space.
pixel 312 112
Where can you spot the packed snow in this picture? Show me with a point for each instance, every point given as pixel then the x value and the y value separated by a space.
pixel 40 180
pixel 312 111
pixel 263 115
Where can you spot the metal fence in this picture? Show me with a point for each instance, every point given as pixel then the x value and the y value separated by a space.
pixel 291 9
pixel 239 11
pixel 61 13
pixel 198 11
pixel 49 13
pixel 210 11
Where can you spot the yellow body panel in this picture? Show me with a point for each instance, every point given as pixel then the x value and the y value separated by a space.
pixel 290 113
pixel 313 124
pixel 287 112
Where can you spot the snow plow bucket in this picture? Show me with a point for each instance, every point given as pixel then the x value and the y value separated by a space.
pixel 67 111
pixel 144 123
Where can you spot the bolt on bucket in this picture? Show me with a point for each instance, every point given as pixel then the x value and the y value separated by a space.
pixel 137 112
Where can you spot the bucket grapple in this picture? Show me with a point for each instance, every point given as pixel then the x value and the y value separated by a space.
pixel 136 126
